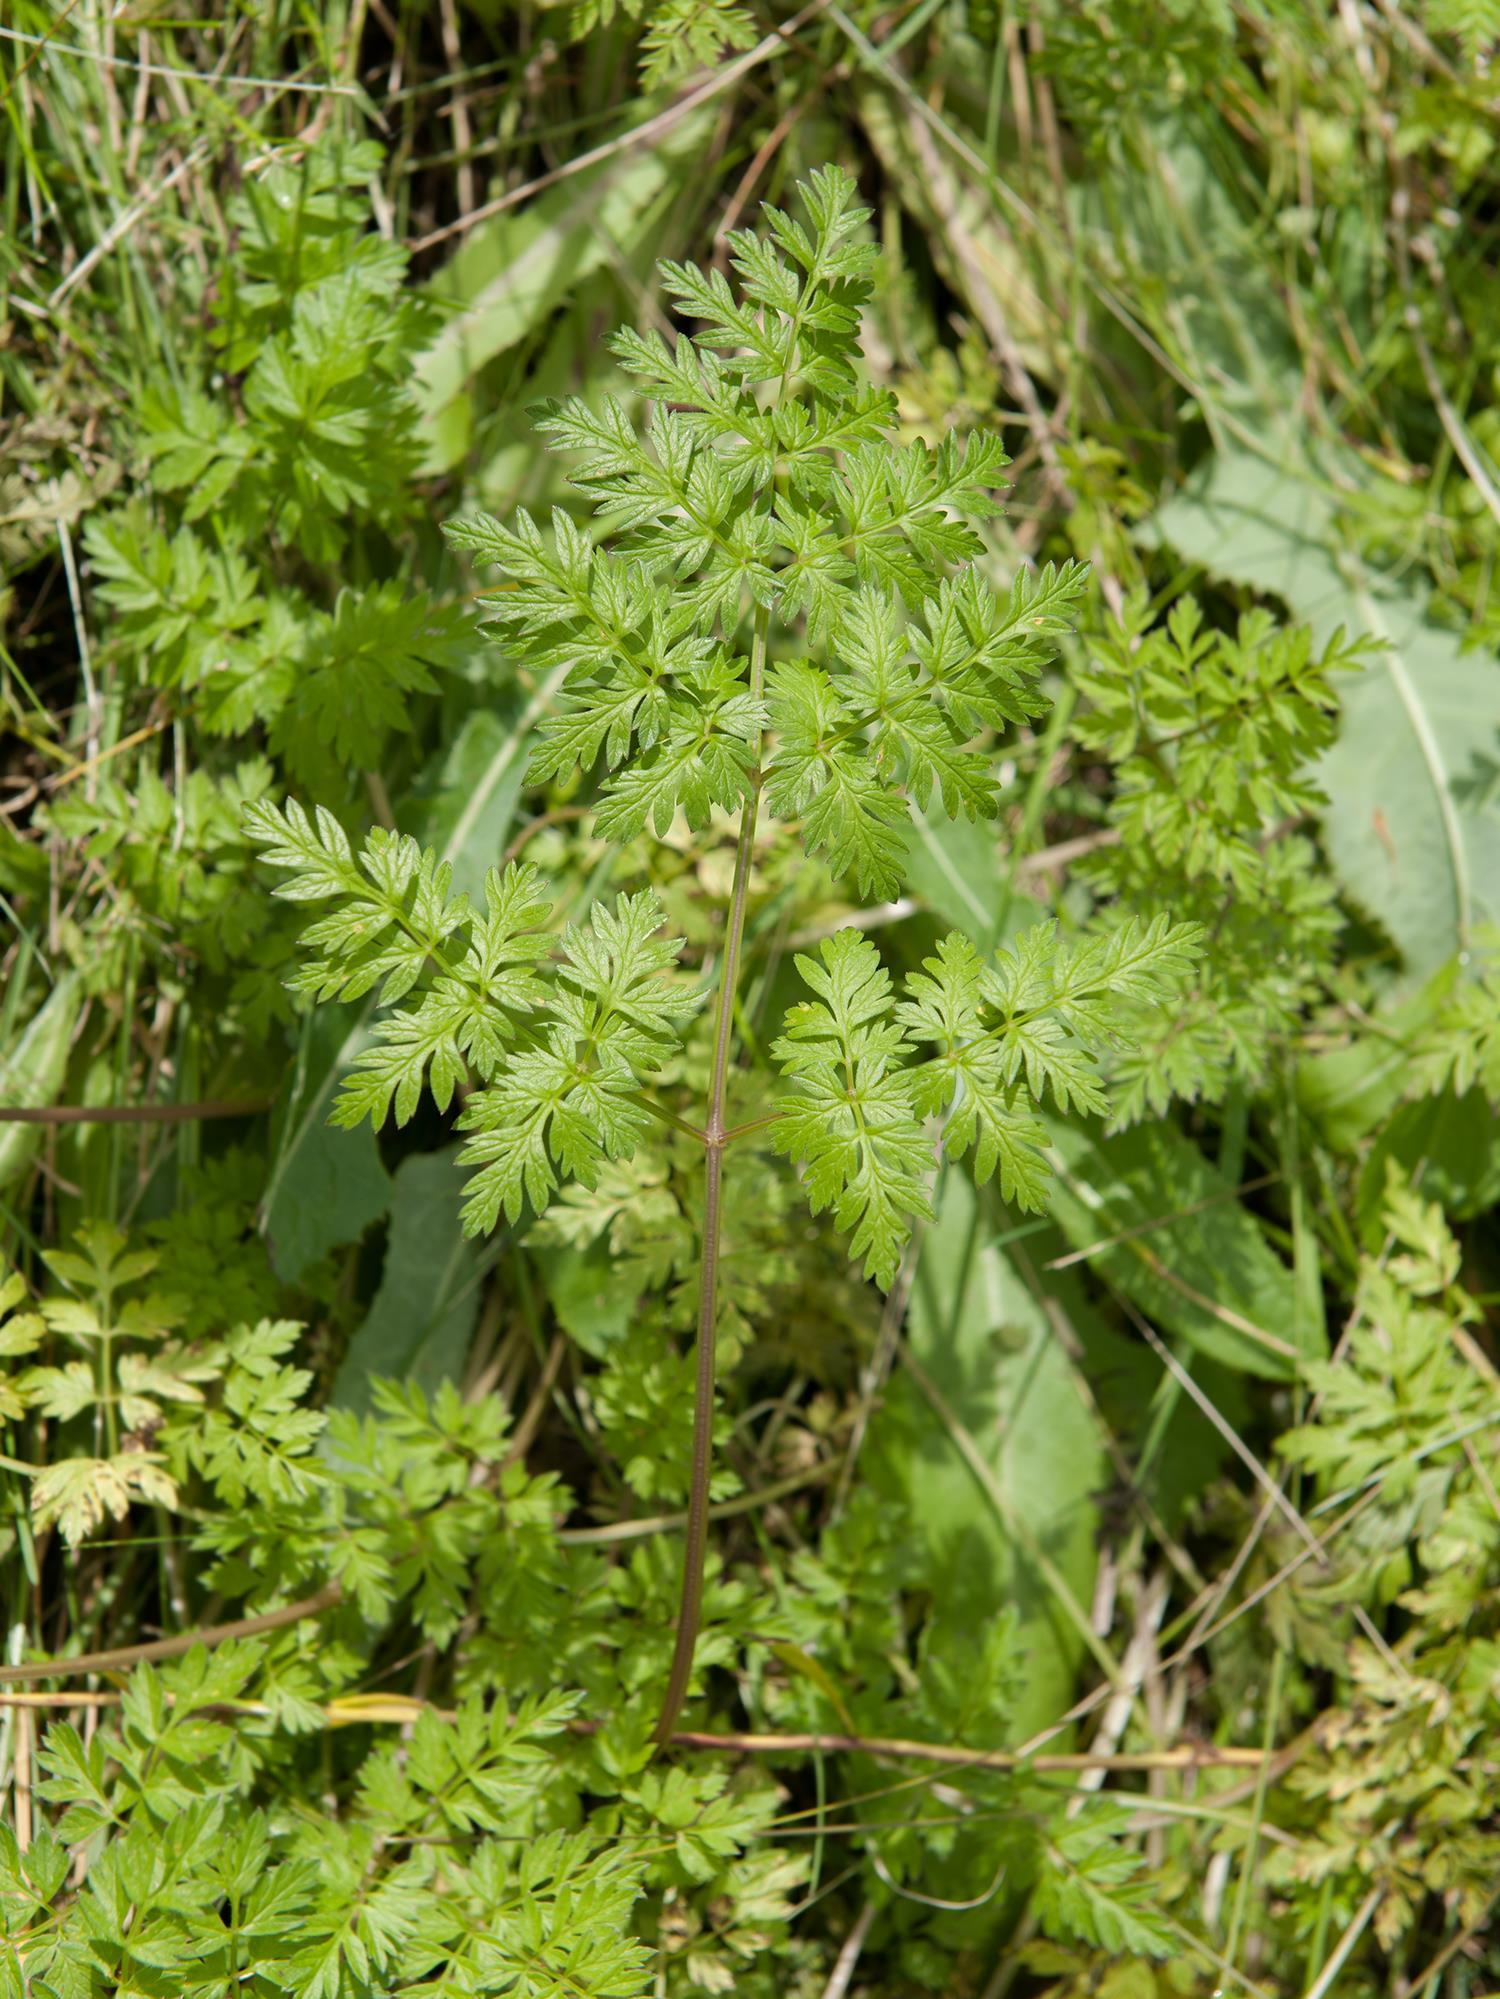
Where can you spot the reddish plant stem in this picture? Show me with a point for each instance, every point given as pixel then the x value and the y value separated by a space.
pixel 714 1134
pixel 123 1657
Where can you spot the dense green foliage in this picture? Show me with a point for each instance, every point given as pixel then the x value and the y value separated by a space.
pixel 821 672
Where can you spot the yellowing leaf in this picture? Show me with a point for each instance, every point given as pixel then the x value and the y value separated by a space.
pixel 62 1392
pixel 77 1495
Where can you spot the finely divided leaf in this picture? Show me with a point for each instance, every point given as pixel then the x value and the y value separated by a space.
pixel 849 1119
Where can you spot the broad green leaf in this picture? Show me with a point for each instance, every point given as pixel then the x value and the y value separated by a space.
pixel 954 866
pixel 472 801
pixel 1348 1092
pixel 32 1071
pixel 517 269
pixel 325 1187
pixel 584 1291
pixel 1204 1272
pixel 419 1326
pixel 467 800
pixel 1447 1145
pixel 985 1342
pixel 1409 827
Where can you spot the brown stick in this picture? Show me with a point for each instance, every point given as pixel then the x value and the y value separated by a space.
pixel 536 1408
pixel 128 1113
pixel 129 742
pixel 172 1648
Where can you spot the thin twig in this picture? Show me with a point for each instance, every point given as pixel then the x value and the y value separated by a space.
pixel 849 1953
pixel 399 1710
pixel 1139 1660
pixel 123 224
pixel 1159 1222
pixel 1455 429
pixel 458 106
pixel 1046 858
pixel 130 1113
pixel 1274 1493
pixel 93 704
pixel 875 918
pixel 615 1531
pixel 125 1656
pixel 558 816
pixel 536 1408
pixel 1225 1314
pixel 1199 1637
pixel 796 111
pixel 987 307
pixel 21 1782
pixel 1185 1756
pixel 1425 1979
pixel 62 777
pixel 1323 1983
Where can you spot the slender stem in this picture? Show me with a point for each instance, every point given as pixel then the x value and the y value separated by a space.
pixel 126 1656
pixel 649 1103
pixel 1354 1931
pixel 755 1124
pixel 107 1392
pixel 1189 1756
pixel 696 1548
pixel 107 1373
pixel 128 1113
pixel 1248 1865
pixel 403 1709
pixel 746 1502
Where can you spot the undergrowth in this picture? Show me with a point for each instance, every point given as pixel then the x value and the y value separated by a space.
pixel 803 1302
